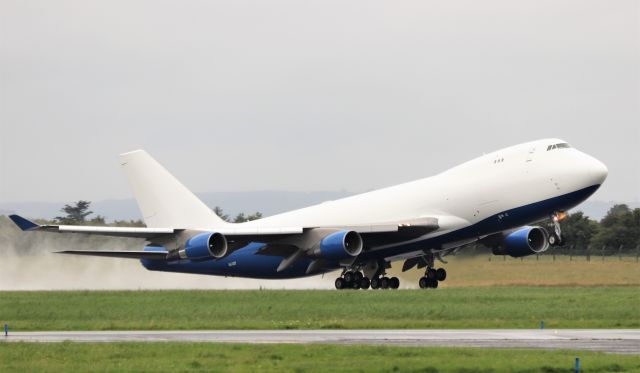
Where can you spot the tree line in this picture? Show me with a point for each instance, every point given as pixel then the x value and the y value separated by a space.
pixel 618 230
pixel 78 214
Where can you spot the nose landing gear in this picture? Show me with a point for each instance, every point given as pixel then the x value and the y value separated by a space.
pixel 555 237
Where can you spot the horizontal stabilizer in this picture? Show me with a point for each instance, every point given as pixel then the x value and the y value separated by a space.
pixel 153 255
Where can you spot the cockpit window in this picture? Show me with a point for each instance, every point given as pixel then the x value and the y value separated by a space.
pixel 558 146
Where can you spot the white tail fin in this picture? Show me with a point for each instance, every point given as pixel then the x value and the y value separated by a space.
pixel 163 201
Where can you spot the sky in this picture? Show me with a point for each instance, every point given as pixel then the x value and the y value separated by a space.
pixel 295 95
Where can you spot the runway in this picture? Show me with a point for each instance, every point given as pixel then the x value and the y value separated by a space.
pixel 607 340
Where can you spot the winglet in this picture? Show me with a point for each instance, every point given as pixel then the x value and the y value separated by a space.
pixel 22 223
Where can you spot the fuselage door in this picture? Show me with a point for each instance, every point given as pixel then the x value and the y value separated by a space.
pixel 530 154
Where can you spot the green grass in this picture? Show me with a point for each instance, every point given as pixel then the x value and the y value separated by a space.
pixel 497 307
pixel 182 357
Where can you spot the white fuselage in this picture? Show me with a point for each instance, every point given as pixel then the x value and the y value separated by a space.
pixel 464 195
pixel 494 193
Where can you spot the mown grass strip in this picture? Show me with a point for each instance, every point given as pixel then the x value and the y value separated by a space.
pixel 201 357
pixel 501 307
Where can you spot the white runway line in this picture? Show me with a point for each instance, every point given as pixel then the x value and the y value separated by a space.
pixel 625 341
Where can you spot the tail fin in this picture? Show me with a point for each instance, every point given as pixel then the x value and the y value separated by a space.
pixel 163 201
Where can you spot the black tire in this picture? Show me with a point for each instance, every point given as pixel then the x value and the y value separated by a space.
pixel 348 276
pixel 433 284
pixel 355 285
pixel 375 283
pixel 553 239
pixel 340 283
pixel 394 283
pixel 431 274
pixel 423 283
pixel 384 282
pixel 365 283
pixel 358 276
pixel 441 274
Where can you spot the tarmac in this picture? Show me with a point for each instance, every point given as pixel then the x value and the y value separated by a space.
pixel 619 341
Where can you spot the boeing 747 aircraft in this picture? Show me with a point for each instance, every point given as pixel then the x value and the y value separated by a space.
pixel 495 199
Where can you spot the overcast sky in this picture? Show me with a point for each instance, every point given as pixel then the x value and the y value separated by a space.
pixel 308 95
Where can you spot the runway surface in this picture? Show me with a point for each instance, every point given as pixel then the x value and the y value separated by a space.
pixel 607 340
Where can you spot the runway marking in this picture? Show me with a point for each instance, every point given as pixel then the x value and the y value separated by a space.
pixel 624 341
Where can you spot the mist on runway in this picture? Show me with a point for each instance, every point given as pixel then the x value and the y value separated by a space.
pixel 28 263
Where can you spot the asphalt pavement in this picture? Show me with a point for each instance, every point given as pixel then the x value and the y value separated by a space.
pixel 622 341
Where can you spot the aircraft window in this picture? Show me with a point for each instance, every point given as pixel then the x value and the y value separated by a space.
pixel 558 146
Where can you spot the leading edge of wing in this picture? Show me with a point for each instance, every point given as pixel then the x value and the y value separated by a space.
pixel 153 255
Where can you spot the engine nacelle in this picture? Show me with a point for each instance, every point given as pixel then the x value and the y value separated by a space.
pixel 340 245
pixel 523 242
pixel 207 245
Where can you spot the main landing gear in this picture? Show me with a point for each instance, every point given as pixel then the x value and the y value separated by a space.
pixel 356 280
pixel 431 278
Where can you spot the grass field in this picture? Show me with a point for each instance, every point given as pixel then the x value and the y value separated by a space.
pixel 495 307
pixel 532 271
pixel 165 357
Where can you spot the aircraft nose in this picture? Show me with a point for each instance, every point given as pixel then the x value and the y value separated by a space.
pixel 598 171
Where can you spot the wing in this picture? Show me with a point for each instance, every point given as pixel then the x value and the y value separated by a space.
pixel 152 255
pixel 290 238
pixel 405 229
pixel 131 232
pixel 148 233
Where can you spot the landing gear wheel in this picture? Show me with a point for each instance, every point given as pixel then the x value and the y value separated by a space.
pixel 423 283
pixel 394 283
pixel 365 283
pixel 349 276
pixel 431 274
pixel 358 276
pixel 434 284
pixel 375 283
pixel 355 285
pixel 441 274
pixel 340 283
pixel 553 239
pixel 384 282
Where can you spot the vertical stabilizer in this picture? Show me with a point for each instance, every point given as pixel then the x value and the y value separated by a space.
pixel 163 201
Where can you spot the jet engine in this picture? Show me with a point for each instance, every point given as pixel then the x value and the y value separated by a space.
pixel 523 242
pixel 340 245
pixel 207 245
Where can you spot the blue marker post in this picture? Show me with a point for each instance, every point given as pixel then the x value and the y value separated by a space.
pixel 6 330
pixel 577 367
pixel 541 324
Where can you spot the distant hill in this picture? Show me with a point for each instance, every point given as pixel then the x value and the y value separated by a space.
pixel 267 202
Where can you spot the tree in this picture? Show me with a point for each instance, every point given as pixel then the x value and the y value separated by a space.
pixel 620 227
pixel 76 214
pixel 218 211
pixel 578 230
pixel 255 216
pixel 241 218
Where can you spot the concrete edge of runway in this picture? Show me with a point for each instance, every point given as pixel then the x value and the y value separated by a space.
pixel 620 341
